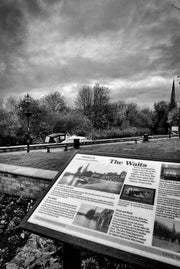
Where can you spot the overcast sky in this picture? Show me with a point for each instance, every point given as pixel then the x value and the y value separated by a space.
pixel 130 46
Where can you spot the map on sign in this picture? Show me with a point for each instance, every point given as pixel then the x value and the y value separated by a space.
pixel 126 204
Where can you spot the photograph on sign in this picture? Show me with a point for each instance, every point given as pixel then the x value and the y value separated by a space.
pixel 170 172
pixel 166 234
pixel 124 204
pixel 96 218
pixel 95 176
pixel 138 194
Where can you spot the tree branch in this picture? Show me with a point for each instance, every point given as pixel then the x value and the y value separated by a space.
pixel 175 6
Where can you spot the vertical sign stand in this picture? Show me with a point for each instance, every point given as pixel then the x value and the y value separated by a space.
pixel 71 257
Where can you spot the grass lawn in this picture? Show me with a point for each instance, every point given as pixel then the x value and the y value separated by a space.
pixel 163 149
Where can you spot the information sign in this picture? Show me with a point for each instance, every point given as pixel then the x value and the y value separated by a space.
pixel 114 205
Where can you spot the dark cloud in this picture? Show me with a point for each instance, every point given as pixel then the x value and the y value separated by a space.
pixel 11 26
pixel 12 36
pixel 40 8
pixel 168 57
pixel 13 21
pixel 89 18
pixel 33 7
pixel 44 43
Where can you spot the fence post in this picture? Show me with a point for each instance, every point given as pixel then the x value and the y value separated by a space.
pixel 65 148
pixel 76 143
pixel 145 138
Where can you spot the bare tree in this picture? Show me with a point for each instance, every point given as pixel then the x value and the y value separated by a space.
pixel 175 6
pixel 54 102
pixel 100 106
pixel 84 100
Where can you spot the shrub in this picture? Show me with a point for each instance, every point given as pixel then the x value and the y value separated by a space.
pixel 118 133
pixel 12 210
pixel 73 123
pixel 37 253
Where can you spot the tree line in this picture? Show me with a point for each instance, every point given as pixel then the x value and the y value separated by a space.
pixel 93 115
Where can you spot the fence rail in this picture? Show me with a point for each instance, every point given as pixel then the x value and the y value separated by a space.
pixel 84 143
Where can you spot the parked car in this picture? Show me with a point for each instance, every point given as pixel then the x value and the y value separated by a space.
pixel 55 138
pixel 174 133
pixel 70 139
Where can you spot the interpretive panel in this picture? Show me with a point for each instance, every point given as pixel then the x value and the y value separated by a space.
pixel 127 204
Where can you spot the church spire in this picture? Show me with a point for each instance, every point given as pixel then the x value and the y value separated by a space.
pixel 86 168
pixel 172 103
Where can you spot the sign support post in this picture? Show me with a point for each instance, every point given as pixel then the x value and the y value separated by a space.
pixel 71 257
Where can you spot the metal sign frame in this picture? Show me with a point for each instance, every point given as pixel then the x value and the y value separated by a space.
pixel 83 243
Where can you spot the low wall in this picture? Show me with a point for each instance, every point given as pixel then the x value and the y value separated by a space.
pixel 24 181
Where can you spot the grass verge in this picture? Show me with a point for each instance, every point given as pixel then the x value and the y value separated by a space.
pixel 163 149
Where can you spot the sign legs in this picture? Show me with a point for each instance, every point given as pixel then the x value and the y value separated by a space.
pixel 71 257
